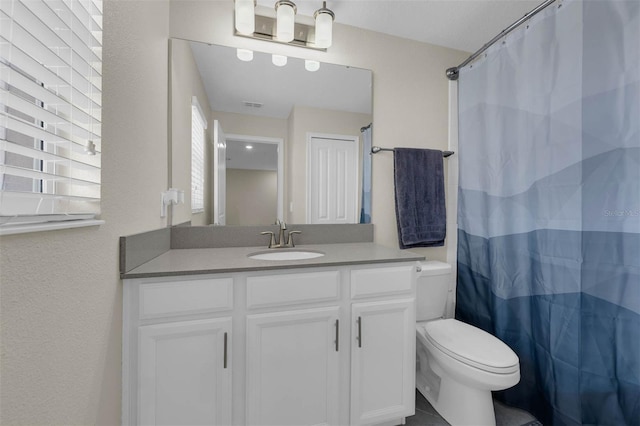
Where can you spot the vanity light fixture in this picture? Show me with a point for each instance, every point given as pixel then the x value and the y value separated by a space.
pixel 245 16
pixel 324 26
pixel 245 55
pixel 285 26
pixel 249 147
pixel 311 65
pixel 285 20
pixel 279 60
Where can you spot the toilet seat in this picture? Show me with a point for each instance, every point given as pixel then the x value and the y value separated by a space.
pixel 470 345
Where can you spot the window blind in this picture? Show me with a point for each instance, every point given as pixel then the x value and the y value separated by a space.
pixel 50 102
pixel 198 127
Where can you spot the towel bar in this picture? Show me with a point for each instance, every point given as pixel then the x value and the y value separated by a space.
pixel 377 149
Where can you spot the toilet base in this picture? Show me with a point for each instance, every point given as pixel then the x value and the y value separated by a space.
pixel 461 405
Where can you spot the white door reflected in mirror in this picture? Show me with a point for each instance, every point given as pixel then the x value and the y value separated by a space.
pixel 332 179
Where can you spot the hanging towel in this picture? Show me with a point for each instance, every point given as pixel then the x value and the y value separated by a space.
pixel 420 201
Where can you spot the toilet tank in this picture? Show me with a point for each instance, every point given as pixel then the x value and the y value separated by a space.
pixel 434 282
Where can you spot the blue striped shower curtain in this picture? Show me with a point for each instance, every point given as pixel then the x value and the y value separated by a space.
pixel 549 208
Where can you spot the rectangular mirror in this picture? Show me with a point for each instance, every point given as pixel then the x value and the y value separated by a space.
pixel 286 142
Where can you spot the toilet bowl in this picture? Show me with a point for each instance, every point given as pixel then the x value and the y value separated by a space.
pixel 457 365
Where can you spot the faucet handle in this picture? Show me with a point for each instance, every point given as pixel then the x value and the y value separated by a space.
pixel 272 240
pixel 290 238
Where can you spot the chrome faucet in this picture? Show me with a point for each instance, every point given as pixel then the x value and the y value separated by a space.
pixel 283 227
pixel 280 243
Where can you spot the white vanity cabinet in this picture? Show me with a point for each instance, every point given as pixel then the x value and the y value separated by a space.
pixel 293 358
pixel 316 346
pixel 177 359
pixel 293 368
pixel 382 361
pixel 185 373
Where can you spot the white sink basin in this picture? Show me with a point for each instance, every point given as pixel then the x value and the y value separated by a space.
pixel 285 255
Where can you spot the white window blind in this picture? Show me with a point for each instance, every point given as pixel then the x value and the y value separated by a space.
pixel 198 127
pixel 50 102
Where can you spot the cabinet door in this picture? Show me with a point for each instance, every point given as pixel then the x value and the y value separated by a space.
pixel 185 373
pixel 292 368
pixel 382 361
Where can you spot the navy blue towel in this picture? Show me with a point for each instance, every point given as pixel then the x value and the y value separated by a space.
pixel 420 201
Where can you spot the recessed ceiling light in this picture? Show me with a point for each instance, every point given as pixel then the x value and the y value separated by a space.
pixel 249 146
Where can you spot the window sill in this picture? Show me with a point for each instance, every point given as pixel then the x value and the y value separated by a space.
pixel 48 226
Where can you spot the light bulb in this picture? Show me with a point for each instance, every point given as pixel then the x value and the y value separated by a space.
pixel 285 20
pixel 244 54
pixel 245 16
pixel 279 60
pixel 311 65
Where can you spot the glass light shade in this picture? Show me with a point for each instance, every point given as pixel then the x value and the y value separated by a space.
pixel 311 65
pixel 324 30
pixel 285 22
pixel 244 54
pixel 245 16
pixel 279 60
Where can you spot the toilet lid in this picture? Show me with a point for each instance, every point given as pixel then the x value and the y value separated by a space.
pixel 471 345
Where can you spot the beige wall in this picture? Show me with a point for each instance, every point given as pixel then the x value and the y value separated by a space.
pixel 61 297
pixel 185 84
pixel 251 125
pixel 252 196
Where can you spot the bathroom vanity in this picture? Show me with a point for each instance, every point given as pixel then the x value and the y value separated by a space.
pixel 212 336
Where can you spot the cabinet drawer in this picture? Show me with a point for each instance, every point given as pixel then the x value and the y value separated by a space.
pixel 276 290
pixel 382 281
pixel 183 297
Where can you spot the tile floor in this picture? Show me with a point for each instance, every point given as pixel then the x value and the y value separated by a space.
pixel 505 416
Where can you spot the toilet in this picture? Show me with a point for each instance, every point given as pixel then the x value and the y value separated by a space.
pixel 457 365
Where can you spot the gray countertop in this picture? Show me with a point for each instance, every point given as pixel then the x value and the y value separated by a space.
pixel 235 259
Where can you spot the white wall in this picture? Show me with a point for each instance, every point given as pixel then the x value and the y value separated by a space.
pixel 61 296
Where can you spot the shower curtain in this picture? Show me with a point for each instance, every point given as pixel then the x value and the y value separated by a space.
pixel 365 202
pixel 549 208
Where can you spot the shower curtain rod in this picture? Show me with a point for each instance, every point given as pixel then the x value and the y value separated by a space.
pixel 377 149
pixel 453 72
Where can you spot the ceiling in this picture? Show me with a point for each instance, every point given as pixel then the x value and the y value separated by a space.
pixel 458 24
